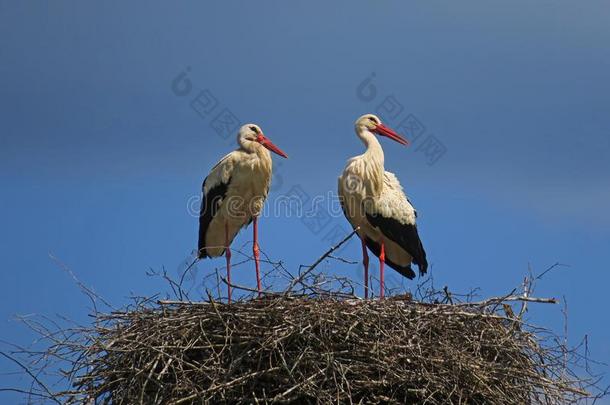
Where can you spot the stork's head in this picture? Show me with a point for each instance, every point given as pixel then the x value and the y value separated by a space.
pixel 251 137
pixel 372 123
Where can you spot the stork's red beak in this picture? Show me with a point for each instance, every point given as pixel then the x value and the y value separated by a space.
pixel 263 140
pixel 390 133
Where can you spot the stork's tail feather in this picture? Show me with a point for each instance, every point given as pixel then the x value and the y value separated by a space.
pixel 405 271
pixel 421 261
pixel 423 268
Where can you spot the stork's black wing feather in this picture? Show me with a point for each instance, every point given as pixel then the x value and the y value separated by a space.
pixel 405 271
pixel 405 235
pixel 209 206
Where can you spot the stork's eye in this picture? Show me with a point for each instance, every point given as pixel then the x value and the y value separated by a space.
pixel 254 129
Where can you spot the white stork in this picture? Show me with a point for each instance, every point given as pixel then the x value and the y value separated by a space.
pixel 373 200
pixel 233 196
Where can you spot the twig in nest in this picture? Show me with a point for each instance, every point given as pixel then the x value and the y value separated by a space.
pixel 302 276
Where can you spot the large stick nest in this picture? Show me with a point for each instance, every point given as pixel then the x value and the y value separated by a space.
pixel 319 350
pixel 316 342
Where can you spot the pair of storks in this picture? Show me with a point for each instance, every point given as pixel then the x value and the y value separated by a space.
pixel 372 199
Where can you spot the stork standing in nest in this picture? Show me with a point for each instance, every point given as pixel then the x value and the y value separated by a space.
pixel 373 200
pixel 233 196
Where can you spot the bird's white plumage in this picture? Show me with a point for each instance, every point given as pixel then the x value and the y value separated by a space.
pixel 247 175
pixel 366 188
pixel 393 202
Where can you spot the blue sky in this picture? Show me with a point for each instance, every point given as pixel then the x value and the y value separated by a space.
pixel 99 157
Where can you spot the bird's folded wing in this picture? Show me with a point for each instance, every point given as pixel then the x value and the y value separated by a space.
pixel 220 173
pixel 214 189
pixel 394 216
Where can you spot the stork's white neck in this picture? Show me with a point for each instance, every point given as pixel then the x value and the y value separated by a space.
pixel 264 156
pixel 373 147
pixel 372 160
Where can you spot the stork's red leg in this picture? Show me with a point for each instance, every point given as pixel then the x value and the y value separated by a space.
pixel 228 257
pixel 381 271
pixel 365 261
pixel 256 252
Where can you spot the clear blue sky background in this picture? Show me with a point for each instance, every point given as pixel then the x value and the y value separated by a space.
pixel 99 157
